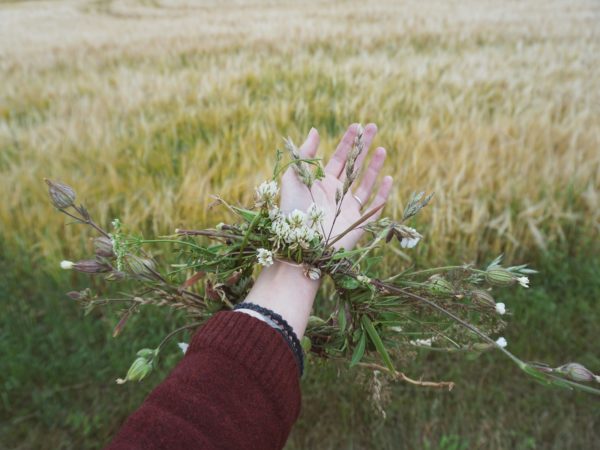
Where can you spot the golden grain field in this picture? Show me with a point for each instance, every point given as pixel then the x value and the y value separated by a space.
pixel 147 107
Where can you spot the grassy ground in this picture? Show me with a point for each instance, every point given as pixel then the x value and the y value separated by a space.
pixel 58 370
pixel 147 107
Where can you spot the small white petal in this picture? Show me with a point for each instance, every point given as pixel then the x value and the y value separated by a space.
pixel 501 342
pixel 67 265
pixel 523 281
pixel 500 308
pixel 183 346
pixel 404 242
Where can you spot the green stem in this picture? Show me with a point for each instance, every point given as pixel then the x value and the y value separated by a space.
pixel 173 333
pixel 435 269
pixel 247 236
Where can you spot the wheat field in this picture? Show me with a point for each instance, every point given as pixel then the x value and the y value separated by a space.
pixel 148 107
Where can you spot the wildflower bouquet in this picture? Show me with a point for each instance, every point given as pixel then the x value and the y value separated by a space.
pixel 374 319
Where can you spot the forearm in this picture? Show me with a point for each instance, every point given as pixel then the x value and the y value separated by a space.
pixel 285 289
pixel 236 387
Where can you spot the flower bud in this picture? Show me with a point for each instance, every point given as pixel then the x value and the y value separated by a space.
pixel 138 370
pixel 313 273
pixel 306 344
pixel 577 372
pixel 104 247
pixel 62 196
pixel 139 266
pixel 483 296
pixel 74 295
pixel 91 266
pixel 440 286
pixel 500 277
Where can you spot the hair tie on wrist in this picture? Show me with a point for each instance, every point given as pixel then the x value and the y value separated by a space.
pixel 285 330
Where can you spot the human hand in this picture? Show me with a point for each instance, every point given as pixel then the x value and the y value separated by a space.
pixel 296 195
pixel 284 288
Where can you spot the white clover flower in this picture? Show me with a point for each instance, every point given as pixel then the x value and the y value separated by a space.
pixel 501 342
pixel 501 308
pixel 275 213
pixel 301 236
pixel 297 218
pixel 316 214
pixel 523 281
pixel 266 193
pixel 67 265
pixel 281 232
pixel 183 346
pixel 265 257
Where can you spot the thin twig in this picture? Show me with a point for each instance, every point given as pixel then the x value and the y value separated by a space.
pixel 401 376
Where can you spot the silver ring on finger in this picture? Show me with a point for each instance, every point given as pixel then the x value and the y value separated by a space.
pixel 360 202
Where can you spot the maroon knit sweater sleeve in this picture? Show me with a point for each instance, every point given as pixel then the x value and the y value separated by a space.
pixel 237 387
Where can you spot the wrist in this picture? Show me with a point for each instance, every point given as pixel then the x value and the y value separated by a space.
pixel 285 289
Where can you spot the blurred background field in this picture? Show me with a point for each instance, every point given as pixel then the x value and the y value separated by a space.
pixel 147 107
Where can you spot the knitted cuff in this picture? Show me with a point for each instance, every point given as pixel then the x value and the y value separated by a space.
pixel 282 327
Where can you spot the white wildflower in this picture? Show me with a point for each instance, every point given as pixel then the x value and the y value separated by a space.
pixel 297 218
pixel 265 257
pixel 501 308
pixel 266 193
pixel 316 215
pixel 397 329
pixel 501 342
pixel 523 281
pixel 281 232
pixel 409 242
pixel 67 265
pixel 410 236
pixel 422 342
pixel 183 346
pixel 301 236
pixel 275 213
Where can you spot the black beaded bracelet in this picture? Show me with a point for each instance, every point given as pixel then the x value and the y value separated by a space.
pixel 286 330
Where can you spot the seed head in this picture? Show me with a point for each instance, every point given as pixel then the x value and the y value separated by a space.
pixel 86 266
pixel 139 266
pixel 62 195
pixel 483 296
pixel 104 247
pixel 440 286
pixel 500 277
pixel 313 273
pixel 577 372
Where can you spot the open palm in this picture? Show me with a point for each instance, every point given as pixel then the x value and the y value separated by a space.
pixel 296 195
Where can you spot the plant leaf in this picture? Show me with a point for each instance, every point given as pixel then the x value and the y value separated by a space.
pixel 368 325
pixel 359 351
pixel 342 318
